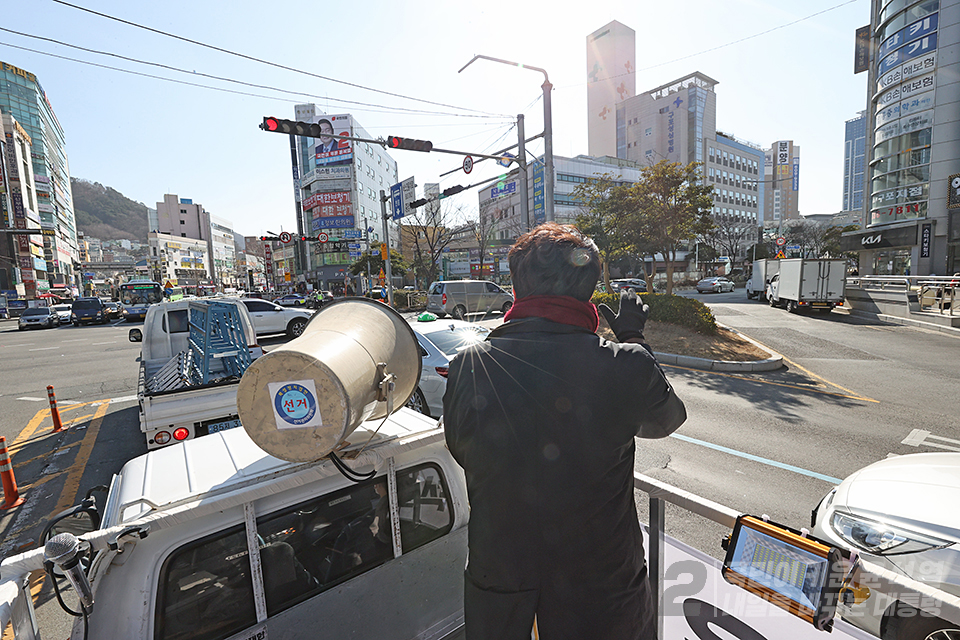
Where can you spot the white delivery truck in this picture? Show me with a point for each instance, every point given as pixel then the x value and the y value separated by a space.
pixel 189 375
pixel 763 272
pixel 808 284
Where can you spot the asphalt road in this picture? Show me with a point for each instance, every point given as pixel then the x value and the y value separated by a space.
pixel 767 443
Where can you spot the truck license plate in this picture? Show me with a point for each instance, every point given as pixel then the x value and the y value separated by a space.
pixel 223 426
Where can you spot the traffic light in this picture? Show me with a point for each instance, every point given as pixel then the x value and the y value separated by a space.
pixel 269 239
pixel 306 129
pixel 396 142
pixel 417 203
pixel 449 191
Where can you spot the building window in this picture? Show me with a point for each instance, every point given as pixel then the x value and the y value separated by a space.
pixel 183 222
pixel 648 131
pixel 183 235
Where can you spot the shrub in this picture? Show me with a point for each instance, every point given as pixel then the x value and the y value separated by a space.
pixel 685 312
pixel 401 298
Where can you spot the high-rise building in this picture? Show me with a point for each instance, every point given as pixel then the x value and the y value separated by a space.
pixel 184 218
pixel 854 162
pixel 611 78
pixel 25 271
pixel 781 175
pixel 337 186
pixel 677 122
pixel 22 97
pixel 912 140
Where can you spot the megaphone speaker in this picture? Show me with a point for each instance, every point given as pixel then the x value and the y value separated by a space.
pixel 299 401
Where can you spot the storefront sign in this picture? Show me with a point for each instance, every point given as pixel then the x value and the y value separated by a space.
pixel 861 56
pixel 879 238
pixel 783 152
pixel 953 192
pixel 926 232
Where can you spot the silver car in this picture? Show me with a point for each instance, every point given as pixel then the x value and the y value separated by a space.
pixel 460 297
pixel 717 284
pixel 39 318
pixel 901 514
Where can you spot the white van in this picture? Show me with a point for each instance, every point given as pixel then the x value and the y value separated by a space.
pixel 215 539
pixel 460 297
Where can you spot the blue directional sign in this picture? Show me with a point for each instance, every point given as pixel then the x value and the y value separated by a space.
pixel 353 246
pixel 352 234
pixel 396 200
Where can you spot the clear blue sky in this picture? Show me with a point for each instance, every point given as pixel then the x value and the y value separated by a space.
pixel 146 137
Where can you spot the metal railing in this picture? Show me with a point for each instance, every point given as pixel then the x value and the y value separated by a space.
pixel 936 294
pixel 923 597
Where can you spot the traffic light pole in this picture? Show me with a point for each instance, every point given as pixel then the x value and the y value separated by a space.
pixel 386 238
pixel 522 152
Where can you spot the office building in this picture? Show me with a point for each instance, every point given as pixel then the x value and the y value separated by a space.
pixel 854 161
pixel 912 140
pixel 24 272
pixel 22 97
pixel 677 122
pixel 339 194
pixel 611 79
pixel 184 218
pixel 781 177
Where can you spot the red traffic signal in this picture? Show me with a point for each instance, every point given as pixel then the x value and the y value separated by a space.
pixel 396 142
pixel 270 124
pixel 278 125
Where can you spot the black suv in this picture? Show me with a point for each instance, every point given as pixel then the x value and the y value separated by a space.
pixel 86 310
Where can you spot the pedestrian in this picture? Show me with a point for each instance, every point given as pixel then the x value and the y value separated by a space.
pixel 542 416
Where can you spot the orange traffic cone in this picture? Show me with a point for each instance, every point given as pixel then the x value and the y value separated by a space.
pixel 11 497
pixel 54 412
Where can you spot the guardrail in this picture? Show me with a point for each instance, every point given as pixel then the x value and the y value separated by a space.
pixel 934 293
pixel 921 596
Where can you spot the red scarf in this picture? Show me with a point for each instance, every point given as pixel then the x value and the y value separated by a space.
pixel 562 309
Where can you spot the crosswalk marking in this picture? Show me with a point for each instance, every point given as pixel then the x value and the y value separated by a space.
pixel 919 437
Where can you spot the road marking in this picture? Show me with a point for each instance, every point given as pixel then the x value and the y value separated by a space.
pixel 44 348
pixel 96 344
pixel 749 456
pixel 32 399
pixel 919 437
pixel 825 381
pixel 77 340
pixel 25 344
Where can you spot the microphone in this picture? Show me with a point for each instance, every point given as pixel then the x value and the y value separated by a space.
pixel 63 550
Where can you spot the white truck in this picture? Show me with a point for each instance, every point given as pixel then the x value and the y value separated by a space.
pixel 808 284
pixel 174 407
pixel 214 539
pixel 763 272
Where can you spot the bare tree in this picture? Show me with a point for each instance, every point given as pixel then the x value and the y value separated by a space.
pixel 730 233
pixel 429 231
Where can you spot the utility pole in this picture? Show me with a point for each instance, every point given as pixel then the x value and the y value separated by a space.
pixel 522 154
pixel 386 240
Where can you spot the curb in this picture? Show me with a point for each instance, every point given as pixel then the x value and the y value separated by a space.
pixel 775 361
pixel 905 322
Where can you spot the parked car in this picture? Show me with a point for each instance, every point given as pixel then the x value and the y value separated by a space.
pixel 268 317
pixel 716 284
pixel 628 284
pixel 440 341
pixel 292 300
pixel 896 513
pixel 87 310
pixel 113 309
pixel 38 317
pixel 460 297
pixel 319 298
pixel 63 312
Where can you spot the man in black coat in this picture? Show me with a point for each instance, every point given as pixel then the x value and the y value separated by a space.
pixel 542 417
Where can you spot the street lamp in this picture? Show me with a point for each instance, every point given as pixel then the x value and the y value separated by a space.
pixel 547 131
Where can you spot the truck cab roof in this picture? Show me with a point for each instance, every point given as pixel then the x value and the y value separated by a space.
pixel 230 462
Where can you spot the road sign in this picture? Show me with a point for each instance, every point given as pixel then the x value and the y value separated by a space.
pixel 793 247
pixel 322 237
pixel 506 160
pixel 353 246
pixel 467 164
pixel 781 241
pixel 285 237
pixel 352 234
pixel 781 255
pixel 402 194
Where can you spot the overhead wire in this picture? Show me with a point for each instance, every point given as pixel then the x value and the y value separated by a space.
pixel 267 62
pixel 232 80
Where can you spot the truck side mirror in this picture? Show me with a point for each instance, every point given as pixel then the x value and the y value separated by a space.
pixel 77 520
pixel 135 335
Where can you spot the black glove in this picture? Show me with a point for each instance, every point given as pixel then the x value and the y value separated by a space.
pixel 632 318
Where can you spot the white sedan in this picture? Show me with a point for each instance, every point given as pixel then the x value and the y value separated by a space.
pixel 899 513
pixel 440 341
pixel 716 285
pixel 269 318
pixel 63 311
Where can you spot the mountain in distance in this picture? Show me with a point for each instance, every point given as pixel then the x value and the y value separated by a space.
pixel 105 213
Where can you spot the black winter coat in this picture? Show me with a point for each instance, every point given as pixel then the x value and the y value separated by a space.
pixel 542 417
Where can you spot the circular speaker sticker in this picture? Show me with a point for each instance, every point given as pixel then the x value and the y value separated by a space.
pixel 295 404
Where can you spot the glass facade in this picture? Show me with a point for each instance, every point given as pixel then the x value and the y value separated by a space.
pixel 854 162
pixel 906 34
pixel 22 96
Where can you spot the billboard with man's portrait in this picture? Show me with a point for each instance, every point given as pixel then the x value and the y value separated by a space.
pixel 331 150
